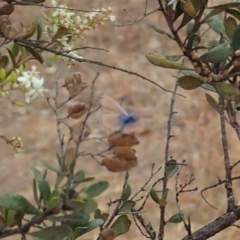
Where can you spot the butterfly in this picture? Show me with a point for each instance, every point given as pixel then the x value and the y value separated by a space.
pixel 119 118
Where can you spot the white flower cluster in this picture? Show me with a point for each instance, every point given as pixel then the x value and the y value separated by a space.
pixel 31 84
pixel 77 24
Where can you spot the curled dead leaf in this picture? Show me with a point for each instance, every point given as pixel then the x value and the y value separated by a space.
pixel 74 85
pixel 117 164
pixel 6 9
pixel 76 131
pixel 107 234
pixel 26 31
pixel 119 139
pixel 124 152
pixel 7 29
pixel 77 110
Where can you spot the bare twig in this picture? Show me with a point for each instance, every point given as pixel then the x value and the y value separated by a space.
pixel 169 136
pixel 228 184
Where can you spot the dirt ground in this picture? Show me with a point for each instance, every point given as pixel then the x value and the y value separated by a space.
pixel 196 126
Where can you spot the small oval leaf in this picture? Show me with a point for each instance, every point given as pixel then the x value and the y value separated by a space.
pixel 96 189
pixel 161 61
pixel 227 91
pixel 127 193
pixel 189 82
pixel 121 225
pixel 154 195
pixel 212 102
pixel 171 168
pixel 176 218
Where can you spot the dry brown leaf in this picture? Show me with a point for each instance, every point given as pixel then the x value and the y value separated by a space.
pixel 107 234
pixel 124 152
pixel 74 85
pixel 77 110
pixel 115 164
pixel 75 131
pixel 119 139
pixel 7 29
pixel 6 9
pixel 26 31
pixel 104 216
pixel 68 158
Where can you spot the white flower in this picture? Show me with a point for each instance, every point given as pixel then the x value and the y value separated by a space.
pixel 31 84
pixel 112 18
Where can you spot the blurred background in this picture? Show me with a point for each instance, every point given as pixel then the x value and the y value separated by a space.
pixel 196 126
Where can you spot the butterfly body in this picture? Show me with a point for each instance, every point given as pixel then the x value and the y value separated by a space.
pixel 127 119
pixel 119 118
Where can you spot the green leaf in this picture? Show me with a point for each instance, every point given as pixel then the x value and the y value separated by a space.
pixel 165 194
pixel 94 224
pixel 78 218
pixel 127 193
pixel 154 195
pixel 79 176
pixel 161 61
pixel 158 30
pixel 18 217
pixel 37 174
pixel 235 43
pixel 2 223
pixel 208 87
pixel 49 166
pixel 220 8
pixel 171 168
pixel 47 61
pixel 96 189
pixel 35 192
pixel 216 54
pixel 97 214
pixel 10 217
pixel 15 49
pixel 34 53
pixel 88 228
pixel 227 91
pixel 195 35
pixel 126 207
pixel 44 189
pixel 15 201
pixel 38 24
pixel 10 52
pixel 121 225
pixel 176 218
pixel 53 233
pixel 212 102
pixel 54 204
pixel 173 57
pixel 230 25
pixel 189 82
pixel 216 24
pixel 90 206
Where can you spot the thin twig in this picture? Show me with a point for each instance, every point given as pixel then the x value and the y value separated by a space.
pixel 228 184
pixel 164 187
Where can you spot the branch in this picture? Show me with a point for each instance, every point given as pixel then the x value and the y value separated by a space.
pixel 24 42
pixel 169 136
pixel 228 184
pixel 218 225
